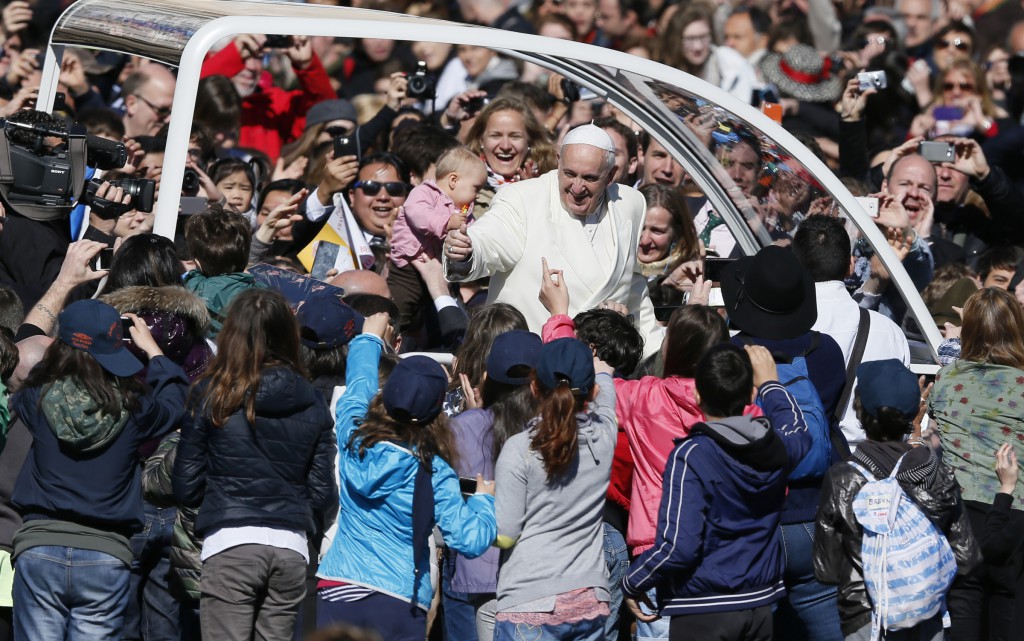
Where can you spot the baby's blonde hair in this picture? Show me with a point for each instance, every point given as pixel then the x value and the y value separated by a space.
pixel 457 160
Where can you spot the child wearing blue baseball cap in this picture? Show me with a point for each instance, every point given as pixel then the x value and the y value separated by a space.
pixel 551 483
pixel 888 399
pixel 80 490
pixel 396 484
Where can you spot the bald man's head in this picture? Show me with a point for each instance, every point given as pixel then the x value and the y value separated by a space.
pixel 362 281
pixel 148 94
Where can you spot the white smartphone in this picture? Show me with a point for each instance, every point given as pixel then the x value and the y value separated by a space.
pixel 870 205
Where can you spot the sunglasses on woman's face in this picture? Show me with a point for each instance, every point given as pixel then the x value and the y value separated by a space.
pixel 960 44
pixel 372 188
pixel 962 86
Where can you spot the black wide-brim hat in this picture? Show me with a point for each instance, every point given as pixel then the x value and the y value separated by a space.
pixel 770 295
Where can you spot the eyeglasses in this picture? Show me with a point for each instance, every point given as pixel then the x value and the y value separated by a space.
pixel 880 40
pixel 372 188
pixel 161 112
pixel 959 43
pixel 962 86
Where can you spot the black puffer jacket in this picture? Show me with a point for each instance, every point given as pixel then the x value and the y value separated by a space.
pixel 838 537
pixel 271 474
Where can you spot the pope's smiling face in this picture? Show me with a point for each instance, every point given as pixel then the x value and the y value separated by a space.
pixel 583 174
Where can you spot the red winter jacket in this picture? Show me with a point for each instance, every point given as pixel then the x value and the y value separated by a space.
pixel 271 116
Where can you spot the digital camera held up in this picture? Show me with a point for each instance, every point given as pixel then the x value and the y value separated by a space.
pixel 422 84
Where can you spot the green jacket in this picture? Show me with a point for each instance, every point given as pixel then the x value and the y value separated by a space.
pixel 218 291
pixel 978 407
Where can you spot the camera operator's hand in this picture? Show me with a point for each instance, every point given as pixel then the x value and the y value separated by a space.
pixel 970 159
pixel 920 76
pixel 16 16
pixel 23 65
pixel 397 89
pixel 339 173
pixel 250 45
pixel 25 98
pixel 891 212
pixel 456 112
pixel 300 52
pixel 114 194
pixel 853 101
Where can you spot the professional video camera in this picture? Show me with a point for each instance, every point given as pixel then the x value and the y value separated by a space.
pixel 43 164
pixel 422 84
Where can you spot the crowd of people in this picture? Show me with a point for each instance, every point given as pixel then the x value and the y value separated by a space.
pixel 444 347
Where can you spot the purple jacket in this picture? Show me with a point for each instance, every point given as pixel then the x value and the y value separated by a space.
pixel 474 440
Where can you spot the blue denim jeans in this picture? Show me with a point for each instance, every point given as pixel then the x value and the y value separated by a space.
pixel 616 556
pixel 152 613
pixel 588 630
pixel 63 593
pixel 657 630
pixel 459 608
pixel 810 610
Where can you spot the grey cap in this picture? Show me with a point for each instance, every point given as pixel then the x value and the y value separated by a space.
pixel 329 110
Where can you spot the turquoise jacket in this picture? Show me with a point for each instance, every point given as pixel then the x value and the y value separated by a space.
pixel 373 546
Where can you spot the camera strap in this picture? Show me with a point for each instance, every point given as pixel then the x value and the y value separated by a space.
pixel 41 213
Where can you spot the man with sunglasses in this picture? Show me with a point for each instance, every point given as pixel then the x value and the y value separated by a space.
pixel 576 218
pixel 380 189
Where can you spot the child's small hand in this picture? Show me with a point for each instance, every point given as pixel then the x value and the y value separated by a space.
pixel 456 220
pixel 763 363
pixel 1006 468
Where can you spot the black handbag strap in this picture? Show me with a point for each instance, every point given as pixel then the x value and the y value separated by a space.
pixel 855 357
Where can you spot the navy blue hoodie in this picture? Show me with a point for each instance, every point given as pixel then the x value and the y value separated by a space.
pixel 101 489
pixel 718 546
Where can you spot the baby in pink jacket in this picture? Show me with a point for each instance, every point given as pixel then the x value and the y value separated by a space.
pixel 432 209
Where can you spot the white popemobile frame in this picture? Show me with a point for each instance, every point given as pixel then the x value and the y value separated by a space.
pixel 181 32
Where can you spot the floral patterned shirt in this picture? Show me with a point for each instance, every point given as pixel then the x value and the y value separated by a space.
pixel 977 407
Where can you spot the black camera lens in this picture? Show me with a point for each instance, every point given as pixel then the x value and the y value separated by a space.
pixel 422 85
pixel 190 181
pixel 142 191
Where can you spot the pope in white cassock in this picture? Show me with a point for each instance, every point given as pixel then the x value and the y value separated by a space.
pixel 575 217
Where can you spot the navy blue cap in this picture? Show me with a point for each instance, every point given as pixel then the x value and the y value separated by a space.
pixel 513 349
pixel 326 322
pixel 95 327
pixel 566 360
pixel 888 383
pixel 415 390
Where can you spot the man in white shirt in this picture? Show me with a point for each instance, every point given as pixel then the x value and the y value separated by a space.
pixel 822 246
pixel 577 219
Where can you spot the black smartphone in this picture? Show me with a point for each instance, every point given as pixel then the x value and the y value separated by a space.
pixel 663 312
pixel 346 146
pixel 326 257
pixel 467 486
pixel 105 258
pixel 474 105
pixel 275 41
pixel 713 266
pixel 126 326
